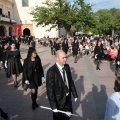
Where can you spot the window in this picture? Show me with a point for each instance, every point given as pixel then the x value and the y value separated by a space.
pixel 0 11
pixel 9 14
pixel 25 3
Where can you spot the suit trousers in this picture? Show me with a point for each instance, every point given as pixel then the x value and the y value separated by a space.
pixel 52 51
pixel 67 108
pixel 3 114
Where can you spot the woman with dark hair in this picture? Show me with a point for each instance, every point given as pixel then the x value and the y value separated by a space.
pixel 113 103
pixel 32 74
pixel 98 52
pixel 3 55
pixel 17 42
pixel 75 48
pixel 13 63
pixel 65 46
pixel 57 45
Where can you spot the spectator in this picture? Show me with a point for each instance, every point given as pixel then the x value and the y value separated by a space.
pixel 87 49
pixel 113 103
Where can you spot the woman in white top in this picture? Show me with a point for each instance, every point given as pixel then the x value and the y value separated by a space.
pixel 113 103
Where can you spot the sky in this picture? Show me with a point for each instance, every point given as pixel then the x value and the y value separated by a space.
pixel 102 4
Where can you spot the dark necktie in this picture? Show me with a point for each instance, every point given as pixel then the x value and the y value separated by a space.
pixel 66 87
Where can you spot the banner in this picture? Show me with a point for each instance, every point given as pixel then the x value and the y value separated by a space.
pixel 17 29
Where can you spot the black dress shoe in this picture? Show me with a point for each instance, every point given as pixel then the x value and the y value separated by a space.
pixel 75 61
pixel 33 106
pixel 36 105
pixel 96 68
pixel 15 84
pixel 99 69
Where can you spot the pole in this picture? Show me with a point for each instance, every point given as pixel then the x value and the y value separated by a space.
pixel 58 111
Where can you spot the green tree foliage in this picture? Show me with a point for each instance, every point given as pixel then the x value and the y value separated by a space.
pixel 107 20
pixel 76 17
pixel 72 17
pixel 116 14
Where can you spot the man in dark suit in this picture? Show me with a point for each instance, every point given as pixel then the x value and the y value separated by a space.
pixel 59 86
pixel 52 44
pixel 57 45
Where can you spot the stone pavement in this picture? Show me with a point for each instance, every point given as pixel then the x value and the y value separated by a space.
pixel 93 87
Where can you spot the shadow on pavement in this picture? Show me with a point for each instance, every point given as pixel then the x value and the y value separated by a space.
pixel 45 66
pixel 81 91
pixel 68 56
pixel 80 56
pixel 97 104
pixel 112 67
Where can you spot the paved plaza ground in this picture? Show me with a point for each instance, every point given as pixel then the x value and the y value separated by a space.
pixel 93 87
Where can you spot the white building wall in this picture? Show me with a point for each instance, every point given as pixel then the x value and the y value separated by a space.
pixel 21 14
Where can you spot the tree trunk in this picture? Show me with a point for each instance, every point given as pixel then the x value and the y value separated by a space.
pixel 113 32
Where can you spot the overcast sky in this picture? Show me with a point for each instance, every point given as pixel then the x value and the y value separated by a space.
pixel 102 4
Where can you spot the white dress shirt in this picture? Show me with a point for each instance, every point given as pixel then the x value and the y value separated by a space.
pixel 113 107
pixel 61 72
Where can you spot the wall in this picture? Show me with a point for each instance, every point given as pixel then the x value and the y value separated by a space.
pixel 7 5
pixel 21 15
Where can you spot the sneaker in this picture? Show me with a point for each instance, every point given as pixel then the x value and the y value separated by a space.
pixel 13 117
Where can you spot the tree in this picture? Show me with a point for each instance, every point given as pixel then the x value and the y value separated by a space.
pixel 107 21
pixel 61 13
pixel 85 20
pixel 116 13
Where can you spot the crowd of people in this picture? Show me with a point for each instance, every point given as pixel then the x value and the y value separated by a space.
pixel 105 49
pixel 14 65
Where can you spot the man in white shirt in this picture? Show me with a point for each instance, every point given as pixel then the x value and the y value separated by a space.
pixel 59 86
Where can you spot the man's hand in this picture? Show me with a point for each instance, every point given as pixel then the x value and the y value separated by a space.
pixel 118 62
pixel 55 110
pixel 96 56
pixel 27 82
pixel 76 99
pixel 68 114
pixel 5 65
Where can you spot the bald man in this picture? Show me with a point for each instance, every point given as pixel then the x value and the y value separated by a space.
pixel 59 86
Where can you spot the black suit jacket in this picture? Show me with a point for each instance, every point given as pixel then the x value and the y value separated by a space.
pixel 65 47
pixel 56 88
pixel 52 43
pixel 57 46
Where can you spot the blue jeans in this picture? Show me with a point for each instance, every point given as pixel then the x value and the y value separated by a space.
pixel 87 51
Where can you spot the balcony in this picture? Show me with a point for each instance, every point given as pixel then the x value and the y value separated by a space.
pixel 7 19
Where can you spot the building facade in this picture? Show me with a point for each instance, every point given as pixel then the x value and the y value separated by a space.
pixel 15 19
pixel 6 18
pixel 21 10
